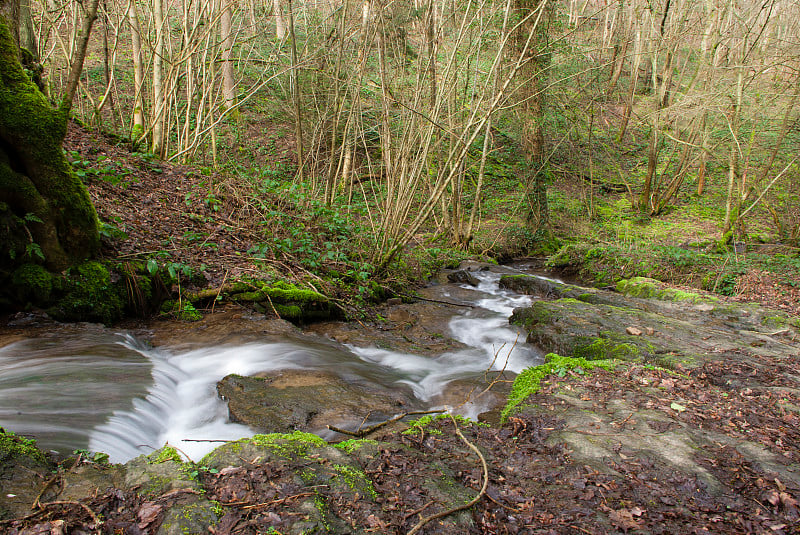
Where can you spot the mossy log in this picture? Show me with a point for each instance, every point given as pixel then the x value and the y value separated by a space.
pixel 45 211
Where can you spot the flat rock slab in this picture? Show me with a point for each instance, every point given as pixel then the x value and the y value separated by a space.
pixel 711 388
pixel 307 400
pixel 686 331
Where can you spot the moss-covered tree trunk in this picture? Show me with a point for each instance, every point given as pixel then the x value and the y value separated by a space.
pixel 46 215
pixel 531 42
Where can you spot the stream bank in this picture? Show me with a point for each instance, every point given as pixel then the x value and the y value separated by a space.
pixel 695 430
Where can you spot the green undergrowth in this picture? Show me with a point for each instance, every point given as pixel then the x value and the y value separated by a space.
pixel 530 380
pixel 700 266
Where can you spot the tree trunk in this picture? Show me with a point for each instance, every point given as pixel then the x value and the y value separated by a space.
pixel 228 84
pixel 280 24
pixel 46 215
pixel 138 126
pixel 159 99
pixel 531 40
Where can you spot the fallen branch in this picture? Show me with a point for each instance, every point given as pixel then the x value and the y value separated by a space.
pixel 467 505
pixel 367 430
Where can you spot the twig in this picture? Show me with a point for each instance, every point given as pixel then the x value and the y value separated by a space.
pixel 418 510
pixel 367 430
pixel 504 506
pixel 467 505
pixel 272 306
pixel 277 501
pixel 221 286
pixel 85 507
pixel 36 503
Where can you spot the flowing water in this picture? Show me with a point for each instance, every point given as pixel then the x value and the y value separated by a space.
pixel 110 392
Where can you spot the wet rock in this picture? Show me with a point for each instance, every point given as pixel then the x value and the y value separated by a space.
pixel 689 330
pixel 463 277
pixel 419 327
pixel 190 514
pixel 153 478
pixel 23 469
pixel 479 398
pixel 228 325
pixel 307 400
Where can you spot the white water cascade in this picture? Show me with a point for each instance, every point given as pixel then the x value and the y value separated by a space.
pixel 110 392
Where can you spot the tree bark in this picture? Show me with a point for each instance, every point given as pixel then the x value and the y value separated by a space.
pixel 531 91
pixel 46 215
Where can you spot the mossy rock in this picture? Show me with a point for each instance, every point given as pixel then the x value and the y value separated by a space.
pixel 652 289
pixel 33 284
pixel 91 293
pixel 23 467
pixel 153 477
pixel 192 514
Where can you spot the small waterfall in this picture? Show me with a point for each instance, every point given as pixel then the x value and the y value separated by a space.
pixel 58 389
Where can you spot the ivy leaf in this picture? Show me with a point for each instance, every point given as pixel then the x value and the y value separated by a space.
pixel 677 407
pixel 152 266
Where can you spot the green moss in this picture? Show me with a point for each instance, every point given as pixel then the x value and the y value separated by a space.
pixel 13 444
pixel 90 294
pixel 638 287
pixel 421 424
pixel 353 444
pixel 167 453
pixel 296 443
pixel 774 321
pixel 529 381
pixel 289 312
pixel 356 479
pixel 33 283
pixel 285 299
pixel 649 288
pixel 604 348
pixel 562 258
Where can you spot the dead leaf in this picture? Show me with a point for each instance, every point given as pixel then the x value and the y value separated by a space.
pixel 623 519
pixel 677 407
pixel 633 331
pixel 773 498
pixel 148 513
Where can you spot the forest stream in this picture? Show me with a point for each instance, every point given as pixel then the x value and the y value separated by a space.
pixel 676 411
pixel 102 389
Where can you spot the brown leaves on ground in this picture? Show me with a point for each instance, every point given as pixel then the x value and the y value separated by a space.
pixel 172 212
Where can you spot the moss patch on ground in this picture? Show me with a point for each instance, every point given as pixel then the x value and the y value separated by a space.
pixel 652 289
pixel 12 444
pixel 530 380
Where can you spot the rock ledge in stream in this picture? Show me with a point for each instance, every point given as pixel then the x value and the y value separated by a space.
pixel 666 327
pixel 307 400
